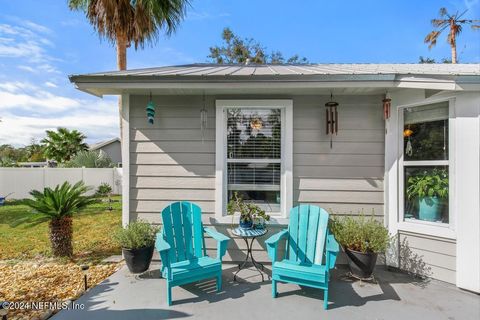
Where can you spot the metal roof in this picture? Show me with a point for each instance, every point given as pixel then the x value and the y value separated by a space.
pixel 252 70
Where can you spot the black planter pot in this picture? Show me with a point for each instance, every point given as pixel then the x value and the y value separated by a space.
pixel 361 264
pixel 138 260
pixel 246 224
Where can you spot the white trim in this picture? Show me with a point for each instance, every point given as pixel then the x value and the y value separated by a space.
pixel 286 184
pixel 443 230
pixel 125 119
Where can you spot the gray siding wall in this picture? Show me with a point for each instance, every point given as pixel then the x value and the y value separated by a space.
pixel 170 162
pixel 427 255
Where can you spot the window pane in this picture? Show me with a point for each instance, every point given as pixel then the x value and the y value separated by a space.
pixel 254 173
pixel 254 133
pixel 425 133
pixel 266 200
pixel 426 193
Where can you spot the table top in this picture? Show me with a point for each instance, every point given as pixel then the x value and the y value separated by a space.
pixel 249 233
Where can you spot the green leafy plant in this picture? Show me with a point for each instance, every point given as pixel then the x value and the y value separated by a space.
pixel 59 204
pixel 248 211
pixel 136 235
pixel 103 190
pixel 360 233
pixel 90 159
pixel 428 184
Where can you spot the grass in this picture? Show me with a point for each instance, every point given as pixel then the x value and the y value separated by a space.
pixel 24 233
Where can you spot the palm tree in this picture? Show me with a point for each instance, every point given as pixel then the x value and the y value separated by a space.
pixel 131 21
pixel 63 144
pixel 90 159
pixel 454 23
pixel 59 205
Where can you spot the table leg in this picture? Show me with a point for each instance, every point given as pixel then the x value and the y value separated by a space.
pixel 254 262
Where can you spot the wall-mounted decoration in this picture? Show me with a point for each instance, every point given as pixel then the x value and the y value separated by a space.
pixel 150 110
pixel 203 119
pixel 387 103
pixel 331 119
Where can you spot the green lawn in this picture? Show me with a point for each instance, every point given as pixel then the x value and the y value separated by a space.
pixel 24 234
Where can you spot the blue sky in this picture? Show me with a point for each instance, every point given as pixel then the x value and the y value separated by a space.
pixel 42 42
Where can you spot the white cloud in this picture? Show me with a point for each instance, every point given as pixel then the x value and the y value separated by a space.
pixel 27 41
pixel 50 84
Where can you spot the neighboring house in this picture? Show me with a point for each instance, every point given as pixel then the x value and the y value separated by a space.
pixel 112 148
pixel 266 138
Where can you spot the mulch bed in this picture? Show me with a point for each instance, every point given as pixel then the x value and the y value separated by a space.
pixel 46 281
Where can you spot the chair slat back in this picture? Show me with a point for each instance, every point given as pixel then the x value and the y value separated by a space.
pixel 307 231
pixel 183 230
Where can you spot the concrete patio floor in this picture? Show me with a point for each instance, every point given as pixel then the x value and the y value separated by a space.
pixel 394 296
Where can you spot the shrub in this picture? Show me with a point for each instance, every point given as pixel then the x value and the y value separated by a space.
pixel 136 235
pixel 360 233
pixel 103 189
pixel 90 159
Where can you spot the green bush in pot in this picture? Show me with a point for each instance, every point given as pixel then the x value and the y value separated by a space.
pixel 362 239
pixel 137 240
pixel 429 189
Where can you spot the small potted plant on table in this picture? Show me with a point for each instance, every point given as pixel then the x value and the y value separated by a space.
pixel 429 189
pixel 248 212
pixel 362 240
pixel 137 241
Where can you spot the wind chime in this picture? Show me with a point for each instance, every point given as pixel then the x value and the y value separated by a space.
pixel 407 133
pixel 203 119
pixel 331 119
pixel 150 110
pixel 387 103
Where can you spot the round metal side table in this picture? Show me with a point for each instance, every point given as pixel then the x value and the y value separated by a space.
pixel 249 234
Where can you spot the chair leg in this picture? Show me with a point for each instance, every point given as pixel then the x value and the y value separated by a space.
pixel 169 294
pixel 325 299
pixel 274 288
pixel 219 283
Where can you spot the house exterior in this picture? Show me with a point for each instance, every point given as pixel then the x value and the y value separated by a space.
pixel 261 131
pixel 112 148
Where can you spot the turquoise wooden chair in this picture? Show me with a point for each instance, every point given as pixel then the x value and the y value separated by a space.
pixel 310 252
pixel 182 247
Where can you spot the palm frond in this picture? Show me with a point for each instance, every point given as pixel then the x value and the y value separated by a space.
pixel 439 22
pixel 431 38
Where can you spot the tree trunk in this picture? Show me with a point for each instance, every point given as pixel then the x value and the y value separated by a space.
pixel 61 237
pixel 122 65
pixel 453 42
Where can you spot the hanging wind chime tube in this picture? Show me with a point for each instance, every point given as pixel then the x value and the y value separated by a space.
pixel 203 119
pixel 150 110
pixel 331 118
pixel 387 103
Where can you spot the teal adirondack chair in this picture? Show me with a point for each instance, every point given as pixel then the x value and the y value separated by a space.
pixel 182 247
pixel 310 253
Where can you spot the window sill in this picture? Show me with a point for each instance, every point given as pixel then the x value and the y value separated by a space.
pixel 428 228
pixel 274 220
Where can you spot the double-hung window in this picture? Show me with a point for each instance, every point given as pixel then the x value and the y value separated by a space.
pixel 254 154
pixel 425 166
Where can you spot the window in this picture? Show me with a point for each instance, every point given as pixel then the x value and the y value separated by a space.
pixel 425 167
pixel 254 154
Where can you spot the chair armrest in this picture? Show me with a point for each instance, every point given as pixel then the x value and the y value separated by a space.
pixel 332 251
pixel 222 241
pixel 272 244
pixel 163 248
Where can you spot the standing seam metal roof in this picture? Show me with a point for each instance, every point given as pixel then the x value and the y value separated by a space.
pixel 207 70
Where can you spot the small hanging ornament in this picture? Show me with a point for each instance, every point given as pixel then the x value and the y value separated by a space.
pixel 331 119
pixel 150 110
pixel 203 119
pixel 386 106
pixel 407 133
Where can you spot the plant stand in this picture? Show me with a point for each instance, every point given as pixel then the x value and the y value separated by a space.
pixel 251 234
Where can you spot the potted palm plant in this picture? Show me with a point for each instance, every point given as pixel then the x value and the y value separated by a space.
pixel 137 240
pixel 59 205
pixel 248 211
pixel 429 189
pixel 362 240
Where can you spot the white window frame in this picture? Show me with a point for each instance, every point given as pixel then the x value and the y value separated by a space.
pixel 286 180
pixel 445 230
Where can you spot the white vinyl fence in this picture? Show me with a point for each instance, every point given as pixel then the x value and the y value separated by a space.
pixel 19 181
